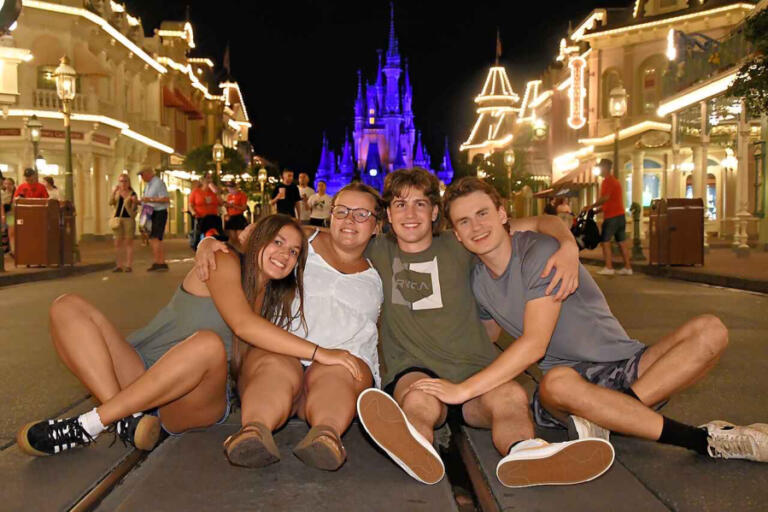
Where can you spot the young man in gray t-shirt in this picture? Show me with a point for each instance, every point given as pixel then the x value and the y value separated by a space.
pixel 596 378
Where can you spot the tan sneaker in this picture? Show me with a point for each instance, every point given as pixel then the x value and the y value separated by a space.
pixel 537 462
pixel 321 448
pixel 252 447
pixel 729 441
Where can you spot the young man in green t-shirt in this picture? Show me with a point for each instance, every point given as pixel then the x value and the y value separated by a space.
pixel 430 328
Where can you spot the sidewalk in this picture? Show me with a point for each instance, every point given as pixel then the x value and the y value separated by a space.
pixel 721 268
pixel 94 257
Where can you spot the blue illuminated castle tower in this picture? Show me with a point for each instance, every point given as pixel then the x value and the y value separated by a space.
pixel 384 137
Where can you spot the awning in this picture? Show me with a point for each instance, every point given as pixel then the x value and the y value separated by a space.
pixel 580 176
pixel 187 106
pixel 170 99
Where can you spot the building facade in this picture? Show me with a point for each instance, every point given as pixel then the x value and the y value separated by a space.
pixel 141 101
pixel 384 136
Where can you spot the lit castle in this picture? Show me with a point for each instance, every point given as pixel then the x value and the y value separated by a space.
pixel 385 136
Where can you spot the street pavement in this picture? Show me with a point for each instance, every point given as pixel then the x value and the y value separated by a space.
pixel 36 385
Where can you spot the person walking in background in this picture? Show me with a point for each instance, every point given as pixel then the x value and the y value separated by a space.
pixel 204 202
pixel 286 196
pixel 123 223
pixel 237 204
pixel 8 188
pixel 320 206
pixel 50 186
pixel 31 188
pixel 305 192
pixel 614 222
pixel 563 210
pixel 156 197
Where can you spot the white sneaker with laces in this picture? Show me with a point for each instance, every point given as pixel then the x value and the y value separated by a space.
pixel 387 425
pixel 582 428
pixel 729 441
pixel 606 271
pixel 625 271
pixel 537 462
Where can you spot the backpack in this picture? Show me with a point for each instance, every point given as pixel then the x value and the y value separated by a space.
pixel 585 230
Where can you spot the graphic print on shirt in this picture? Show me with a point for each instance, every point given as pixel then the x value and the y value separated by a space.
pixel 416 285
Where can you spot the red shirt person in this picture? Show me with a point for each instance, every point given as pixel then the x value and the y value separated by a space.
pixel 614 222
pixel 31 188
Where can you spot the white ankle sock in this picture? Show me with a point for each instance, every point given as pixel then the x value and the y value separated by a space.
pixel 91 422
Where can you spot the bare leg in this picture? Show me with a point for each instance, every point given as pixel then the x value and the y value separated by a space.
pixel 505 411
pixel 118 253
pixel 188 383
pixel 92 348
pixel 269 386
pixel 129 251
pixel 157 250
pixel 331 393
pixel 423 411
pixel 624 246
pixel 607 254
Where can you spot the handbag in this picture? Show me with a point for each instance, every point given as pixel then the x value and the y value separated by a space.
pixel 145 218
pixel 114 222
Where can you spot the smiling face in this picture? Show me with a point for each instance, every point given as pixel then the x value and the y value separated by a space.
pixel 411 216
pixel 278 258
pixel 478 223
pixel 347 232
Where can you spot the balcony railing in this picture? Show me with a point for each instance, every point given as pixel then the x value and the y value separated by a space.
pixel 49 100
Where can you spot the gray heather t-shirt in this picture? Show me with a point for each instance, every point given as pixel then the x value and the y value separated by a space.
pixel 586 330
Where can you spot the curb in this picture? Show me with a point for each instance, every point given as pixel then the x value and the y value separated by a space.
pixel 53 273
pixel 739 283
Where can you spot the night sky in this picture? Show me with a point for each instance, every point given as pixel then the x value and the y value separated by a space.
pixel 297 60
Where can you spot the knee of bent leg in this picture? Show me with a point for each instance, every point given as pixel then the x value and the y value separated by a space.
pixel 418 400
pixel 713 334
pixel 65 305
pixel 557 385
pixel 208 346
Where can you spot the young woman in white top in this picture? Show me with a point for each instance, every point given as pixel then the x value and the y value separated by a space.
pixel 342 298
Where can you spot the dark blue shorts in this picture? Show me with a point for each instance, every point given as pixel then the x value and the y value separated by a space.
pixel 615 227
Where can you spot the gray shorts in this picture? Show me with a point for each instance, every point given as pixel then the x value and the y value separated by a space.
pixel 615 227
pixel 616 375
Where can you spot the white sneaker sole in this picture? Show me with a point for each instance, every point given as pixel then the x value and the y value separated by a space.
pixel 387 425
pixel 577 462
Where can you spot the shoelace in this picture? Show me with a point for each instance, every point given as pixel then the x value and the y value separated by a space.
pixel 730 446
pixel 64 433
pixel 120 431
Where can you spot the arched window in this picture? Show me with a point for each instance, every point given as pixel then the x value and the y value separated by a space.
pixel 649 85
pixel 611 79
pixel 710 208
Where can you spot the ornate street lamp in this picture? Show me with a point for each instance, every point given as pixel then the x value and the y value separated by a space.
pixel 66 88
pixel 218 157
pixel 262 182
pixel 509 161
pixel 35 128
pixel 617 105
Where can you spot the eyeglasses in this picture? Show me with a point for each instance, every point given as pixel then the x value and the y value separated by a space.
pixel 358 214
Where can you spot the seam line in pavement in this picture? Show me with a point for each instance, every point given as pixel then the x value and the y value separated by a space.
pixel 650 490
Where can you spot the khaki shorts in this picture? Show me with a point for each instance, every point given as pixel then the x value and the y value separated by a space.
pixel 126 230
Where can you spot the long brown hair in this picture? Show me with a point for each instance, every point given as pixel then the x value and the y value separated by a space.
pixel 279 293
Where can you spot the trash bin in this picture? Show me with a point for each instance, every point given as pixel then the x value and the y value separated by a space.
pixel 38 232
pixel 676 232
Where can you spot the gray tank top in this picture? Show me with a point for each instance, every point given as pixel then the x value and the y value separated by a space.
pixel 183 316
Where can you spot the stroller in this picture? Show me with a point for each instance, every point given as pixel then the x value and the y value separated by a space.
pixel 585 230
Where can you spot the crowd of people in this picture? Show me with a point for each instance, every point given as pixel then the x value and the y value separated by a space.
pixel 290 314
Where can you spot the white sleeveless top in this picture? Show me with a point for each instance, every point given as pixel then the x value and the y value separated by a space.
pixel 341 310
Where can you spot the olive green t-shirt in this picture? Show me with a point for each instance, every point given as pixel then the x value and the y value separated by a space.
pixel 429 318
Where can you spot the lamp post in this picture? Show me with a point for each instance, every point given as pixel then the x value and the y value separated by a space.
pixel 262 182
pixel 509 161
pixel 66 88
pixel 35 128
pixel 218 157
pixel 617 105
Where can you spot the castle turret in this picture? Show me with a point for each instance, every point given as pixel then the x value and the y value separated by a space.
pixel 373 174
pixel 392 69
pixel 446 168
pixel 347 163
pixel 323 169
pixel 419 156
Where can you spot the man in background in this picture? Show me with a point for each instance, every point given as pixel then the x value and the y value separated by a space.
pixel 614 222
pixel 305 192
pixel 31 188
pixel 156 196
pixel 286 196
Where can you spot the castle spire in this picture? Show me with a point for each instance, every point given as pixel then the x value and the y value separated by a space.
pixel 359 108
pixel 392 51
pixel 347 162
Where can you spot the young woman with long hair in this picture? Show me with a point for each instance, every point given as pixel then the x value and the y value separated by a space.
pixel 177 364
pixel 341 298
pixel 125 201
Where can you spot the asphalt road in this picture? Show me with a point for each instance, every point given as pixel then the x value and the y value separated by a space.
pixel 35 384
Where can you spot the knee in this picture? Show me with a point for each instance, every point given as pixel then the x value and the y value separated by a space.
pixel 713 335
pixel 65 306
pixel 207 345
pixel 510 394
pixel 415 400
pixel 557 385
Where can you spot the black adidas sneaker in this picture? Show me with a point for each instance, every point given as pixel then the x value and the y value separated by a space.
pixel 49 437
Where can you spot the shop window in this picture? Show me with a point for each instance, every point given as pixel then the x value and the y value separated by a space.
pixel 710 208
pixel 611 79
pixel 650 83
pixel 651 189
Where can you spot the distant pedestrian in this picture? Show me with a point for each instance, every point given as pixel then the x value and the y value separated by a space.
pixel 286 196
pixel 611 201
pixel 237 205
pixel 156 198
pixel 320 204
pixel 8 188
pixel 123 222
pixel 50 186
pixel 563 210
pixel 31 188
pixel 205 202
pixel 305 192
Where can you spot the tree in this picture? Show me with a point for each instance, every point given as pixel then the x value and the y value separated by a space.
pixel 200 161
pixel 752 80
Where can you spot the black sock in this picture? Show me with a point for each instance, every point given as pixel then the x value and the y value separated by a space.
pixel 631 392
pixel 687 436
